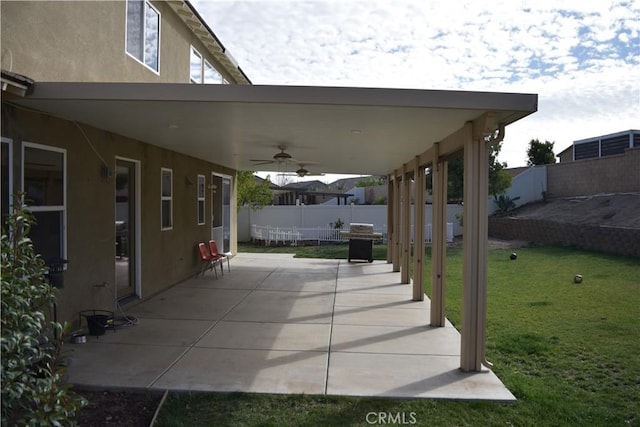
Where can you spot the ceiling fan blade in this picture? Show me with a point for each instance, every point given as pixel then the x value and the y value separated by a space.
pixel 258 162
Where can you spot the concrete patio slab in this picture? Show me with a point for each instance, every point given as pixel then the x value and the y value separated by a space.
pixel 349 315
pixel 395 340
pixel 243 279
pixel 379 300
pixel 268 336
pixel 120 365
pixel 409 375
pixel 258 371
pixel 174 332
pixel 283 280
pixel 190 303
pixel 278 324
pixel 289 307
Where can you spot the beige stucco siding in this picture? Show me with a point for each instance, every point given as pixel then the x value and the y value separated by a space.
pixel 37 34
pixel 168 257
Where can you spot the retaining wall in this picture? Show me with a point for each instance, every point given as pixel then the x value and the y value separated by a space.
pixel 611 174
pixel 601 238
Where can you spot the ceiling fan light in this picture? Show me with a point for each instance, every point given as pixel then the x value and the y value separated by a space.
pixel 282 156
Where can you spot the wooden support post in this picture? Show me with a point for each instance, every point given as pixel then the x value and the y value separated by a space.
pixel 438 240
pixel 390 217
pixel 396 224
pixel 418 232
pixel 474 297
pixel 405 261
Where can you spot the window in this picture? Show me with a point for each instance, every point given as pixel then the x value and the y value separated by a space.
pixel 196 66
pixel 201 70
pixel 166 199
pixel 44 182
pixel 143 33
pixel 211 75
pixel 201 185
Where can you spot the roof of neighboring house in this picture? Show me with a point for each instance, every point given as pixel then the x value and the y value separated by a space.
pixel 516 171
pixel 314 185
pixel 566 150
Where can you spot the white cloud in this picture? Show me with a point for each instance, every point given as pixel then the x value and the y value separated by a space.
pixel 582 58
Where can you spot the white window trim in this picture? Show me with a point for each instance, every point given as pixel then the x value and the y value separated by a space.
pixel 9 143
pixel 201 199
pixel 164 198
pixel 52 208
pixel 126 34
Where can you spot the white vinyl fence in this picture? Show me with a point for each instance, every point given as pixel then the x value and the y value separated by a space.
pixel 306 220
pixel 295 235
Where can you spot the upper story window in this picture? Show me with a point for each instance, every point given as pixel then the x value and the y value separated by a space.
pixel 143 33
pixel 202 71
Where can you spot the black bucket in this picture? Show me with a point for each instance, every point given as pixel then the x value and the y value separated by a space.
pixel 97 321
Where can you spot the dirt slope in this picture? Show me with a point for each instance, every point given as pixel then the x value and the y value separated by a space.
pixel 615 210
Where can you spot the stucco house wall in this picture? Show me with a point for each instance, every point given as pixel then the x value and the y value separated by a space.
pixel 167 256
pixel 84 41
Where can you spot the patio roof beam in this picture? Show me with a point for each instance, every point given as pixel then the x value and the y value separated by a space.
pixel 484 125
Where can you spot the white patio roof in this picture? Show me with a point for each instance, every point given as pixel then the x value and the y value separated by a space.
pixel 342 129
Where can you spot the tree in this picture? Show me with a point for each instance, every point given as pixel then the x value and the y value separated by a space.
pixel 33 391
pixel 499 179
pixel 540 153
pixel 253 192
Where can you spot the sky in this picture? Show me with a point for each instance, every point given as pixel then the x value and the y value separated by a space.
pixel 581 57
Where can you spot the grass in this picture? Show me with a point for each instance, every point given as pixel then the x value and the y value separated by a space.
pixel 569 352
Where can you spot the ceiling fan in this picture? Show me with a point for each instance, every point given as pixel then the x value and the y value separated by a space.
pixel 302 172
pixel 280 157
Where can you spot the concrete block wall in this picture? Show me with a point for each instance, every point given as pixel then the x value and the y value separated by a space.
pixel 612 174
pixel 612 240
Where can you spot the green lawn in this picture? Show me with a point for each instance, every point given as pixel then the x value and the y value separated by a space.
pixel 570 353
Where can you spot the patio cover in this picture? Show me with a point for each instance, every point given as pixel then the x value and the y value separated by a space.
pixel 394 132
pixel 343 129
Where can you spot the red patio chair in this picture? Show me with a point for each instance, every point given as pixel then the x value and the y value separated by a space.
pixel 209 260
pixel 213 248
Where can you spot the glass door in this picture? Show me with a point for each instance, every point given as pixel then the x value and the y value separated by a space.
pixel 125 229
pixel 221 211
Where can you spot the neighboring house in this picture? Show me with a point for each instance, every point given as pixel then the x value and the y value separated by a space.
pixel 306 193
pixel 125 214
pixel 600 146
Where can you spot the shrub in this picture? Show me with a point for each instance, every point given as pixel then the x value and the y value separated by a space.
pixel 505 203
pixel 32 368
